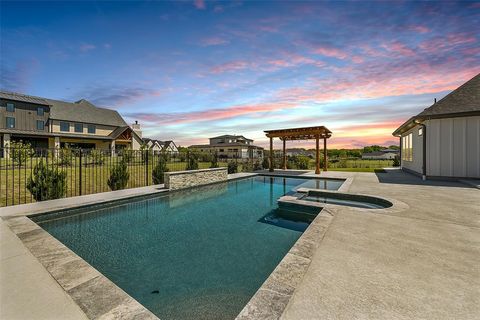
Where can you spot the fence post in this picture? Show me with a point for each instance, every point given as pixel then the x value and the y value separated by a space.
pixel 146 167
pixel 80 171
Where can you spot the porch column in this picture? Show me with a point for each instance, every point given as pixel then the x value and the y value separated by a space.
pixel 325 154
pixel 271 155
pixel 112 147
pixel 56 146
pixel 284 155
pixel 6 146
pixel 317 155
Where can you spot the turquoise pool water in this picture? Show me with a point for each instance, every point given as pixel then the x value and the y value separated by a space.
pixel 195 254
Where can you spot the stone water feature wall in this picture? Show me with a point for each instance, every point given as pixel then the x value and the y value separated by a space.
pixel 186 179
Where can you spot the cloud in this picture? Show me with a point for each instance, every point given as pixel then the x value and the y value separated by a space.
pixel 199 4
pixel 85 47
pixel 213 41
pixel 331 52
pixel 17 77
pixel 231 66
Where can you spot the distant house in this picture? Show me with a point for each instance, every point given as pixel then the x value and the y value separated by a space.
pixel 48 123
pixel 159 145
pixel 231 146
pixel 444 139
pixel 380 155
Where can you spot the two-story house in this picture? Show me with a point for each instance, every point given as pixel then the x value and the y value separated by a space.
pixel 47 123
pixel 159 145
pixel 231 146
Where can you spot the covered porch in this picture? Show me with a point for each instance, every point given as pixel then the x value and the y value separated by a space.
pixel 305 133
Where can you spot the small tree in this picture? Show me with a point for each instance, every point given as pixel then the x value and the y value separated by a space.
pixel 214 161
pixel 118 176
pixel 232 167
pixel 46 183
pixel 20 152
pixel 65 156
pixel 266 162
pixel 127 156
pixel 396 161
pixel 192 160
pixel 97 157
pixel 159 170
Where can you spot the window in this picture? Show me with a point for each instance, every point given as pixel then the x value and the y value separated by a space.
pixel 64 126
pixel 91 128
pixel 40 125
pixel 10 122
pixel 40 111
pixel 78 127
pixel 407 148
pixel 420 131
pixel 10 107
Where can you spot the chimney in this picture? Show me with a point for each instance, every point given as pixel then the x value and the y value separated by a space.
pixel 434 100
pixel 136 128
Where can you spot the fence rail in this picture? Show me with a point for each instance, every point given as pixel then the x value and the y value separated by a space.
pixel 28 175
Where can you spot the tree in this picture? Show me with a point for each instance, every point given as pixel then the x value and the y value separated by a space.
pixel 118 176
pixel 46 183
pixel 192 160
pixel 214 161
pixel 159 170
pixel 20 152
pixel 232 167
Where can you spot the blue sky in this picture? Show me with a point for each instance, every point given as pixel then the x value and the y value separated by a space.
pixel 188 70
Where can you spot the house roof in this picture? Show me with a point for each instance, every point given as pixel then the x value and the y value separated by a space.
pixel 220 145
pixel 79 111
pixel 463 101
pixel 231 136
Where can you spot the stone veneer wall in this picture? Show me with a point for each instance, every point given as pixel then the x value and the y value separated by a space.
pixel 186 179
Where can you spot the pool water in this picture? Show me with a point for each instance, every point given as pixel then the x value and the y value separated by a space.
pixel 195 254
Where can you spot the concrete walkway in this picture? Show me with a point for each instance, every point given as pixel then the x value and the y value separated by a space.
pixel 422 263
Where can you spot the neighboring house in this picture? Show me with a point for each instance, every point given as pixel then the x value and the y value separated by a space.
pixel 379 155
pixel 159 145
pixel 444 139
pixel 231 146
pixel 47 123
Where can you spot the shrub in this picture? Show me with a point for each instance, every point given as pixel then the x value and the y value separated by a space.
pixel 266 163
pixel 232 167
pixel 47 184
pixel 97 157
pixel 396 161
pixel 159 170
pixel 127 155
pixel 257 165
pixel 20 152
pixel 65 156
pixel 214 161
pixel 118 176
pixel 192 161
pixel 302 162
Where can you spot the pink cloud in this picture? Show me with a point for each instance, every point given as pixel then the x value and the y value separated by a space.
pixel 231 66
pixel 199 4
pixel 330 52
pixel 398 47
pixel 419 29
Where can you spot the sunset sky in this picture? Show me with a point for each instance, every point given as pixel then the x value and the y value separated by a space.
pixel 189 70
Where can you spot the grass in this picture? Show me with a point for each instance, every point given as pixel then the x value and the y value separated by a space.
pixel 358 170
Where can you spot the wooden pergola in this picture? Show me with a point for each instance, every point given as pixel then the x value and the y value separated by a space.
pixel 306 133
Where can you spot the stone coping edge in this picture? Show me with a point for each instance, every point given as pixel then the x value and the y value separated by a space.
pixel 174 173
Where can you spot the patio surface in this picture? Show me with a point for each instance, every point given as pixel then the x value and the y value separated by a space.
pixel 423 262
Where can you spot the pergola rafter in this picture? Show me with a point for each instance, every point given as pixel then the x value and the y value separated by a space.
pixel 306 133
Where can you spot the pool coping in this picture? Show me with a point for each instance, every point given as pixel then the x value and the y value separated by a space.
pixel 100 298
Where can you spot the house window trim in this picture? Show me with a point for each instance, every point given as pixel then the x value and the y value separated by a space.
pixel 407 147
pixel 43 125
pixel 75 127
pixel 6 122
pixel 67 123
pixel 12 104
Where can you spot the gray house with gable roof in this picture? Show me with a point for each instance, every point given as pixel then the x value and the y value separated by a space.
pixel 444 139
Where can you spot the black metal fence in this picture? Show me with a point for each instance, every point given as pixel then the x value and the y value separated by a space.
pixel 29 175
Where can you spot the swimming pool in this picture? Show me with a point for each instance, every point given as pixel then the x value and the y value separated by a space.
pixel 195 254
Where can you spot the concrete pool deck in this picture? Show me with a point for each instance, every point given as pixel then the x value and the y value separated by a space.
pixel 421 262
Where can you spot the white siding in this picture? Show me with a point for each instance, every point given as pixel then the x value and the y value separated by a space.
pixel 453 147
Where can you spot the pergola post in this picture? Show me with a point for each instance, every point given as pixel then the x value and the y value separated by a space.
pixel 325 154
pixel 317 155
pixel 284 154
pixel 271 155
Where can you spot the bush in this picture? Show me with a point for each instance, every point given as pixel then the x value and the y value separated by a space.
pixel 97 157
pixel 65 156
pixel 47 184
pixel 20 152
pixel 118 176
pixel 214 161
pixel 159 170
pixel 257 165
pixel 127 155
pixel 232 167
pixel 396 161
pixel 192 161
pixel 266 163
